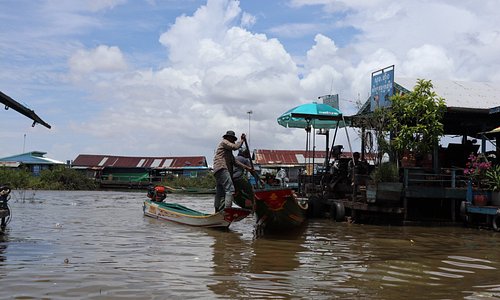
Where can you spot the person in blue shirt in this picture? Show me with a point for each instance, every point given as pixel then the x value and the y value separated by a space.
pixel 244 195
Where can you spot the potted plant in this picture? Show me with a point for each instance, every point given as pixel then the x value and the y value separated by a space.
pixel 493 180
pixel 476 169
pixel 385 186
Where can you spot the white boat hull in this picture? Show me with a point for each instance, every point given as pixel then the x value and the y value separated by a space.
pixel 190 217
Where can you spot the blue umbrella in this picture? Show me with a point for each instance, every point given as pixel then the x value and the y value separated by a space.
pixel 317 115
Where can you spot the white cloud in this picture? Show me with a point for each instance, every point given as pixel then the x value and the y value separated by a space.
pixel 248 20
pixel 218 71
pixel 215 69
pixel 428 59
pixel 324 52
pixel 208 22
pixel 294 29
pixel 463 36
pixel 101 59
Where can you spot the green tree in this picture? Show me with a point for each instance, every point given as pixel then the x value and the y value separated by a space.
pixel 17 178
pixel 415 119
pixel 62 178
pixel 207 181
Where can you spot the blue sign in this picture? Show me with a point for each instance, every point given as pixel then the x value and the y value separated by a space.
pixel 382 88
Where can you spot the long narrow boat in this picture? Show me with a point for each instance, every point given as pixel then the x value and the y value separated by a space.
pixel 183 215
pixel 279 208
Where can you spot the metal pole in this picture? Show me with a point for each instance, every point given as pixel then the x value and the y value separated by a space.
pixel 249 118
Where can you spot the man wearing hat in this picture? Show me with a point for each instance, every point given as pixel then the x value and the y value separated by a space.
pixel 223 169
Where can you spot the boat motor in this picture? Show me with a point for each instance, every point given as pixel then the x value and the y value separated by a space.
pixel 157 193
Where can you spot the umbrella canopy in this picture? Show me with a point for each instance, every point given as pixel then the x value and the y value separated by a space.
pixel 317 115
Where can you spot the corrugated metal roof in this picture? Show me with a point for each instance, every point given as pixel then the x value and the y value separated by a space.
pixel 289 157
pixel 461 94
pixel 10 164
pixel 91 160
pixel 33 157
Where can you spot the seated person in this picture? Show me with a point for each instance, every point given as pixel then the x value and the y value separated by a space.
pixel 244 196
pixel 356 167
pixel 157 193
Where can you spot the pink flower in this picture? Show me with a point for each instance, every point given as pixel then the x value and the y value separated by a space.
pixel 476 168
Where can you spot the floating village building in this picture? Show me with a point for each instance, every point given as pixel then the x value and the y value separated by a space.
pixel 112 171
pixel 34 162
pixel 433 190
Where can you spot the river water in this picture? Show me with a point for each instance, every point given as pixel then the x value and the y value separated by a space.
pixel 98 245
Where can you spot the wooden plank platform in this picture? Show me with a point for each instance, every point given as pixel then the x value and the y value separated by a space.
pixel 434 192
pixel 363 206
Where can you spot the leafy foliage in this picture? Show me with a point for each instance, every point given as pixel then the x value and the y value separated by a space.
pixel 386 172
pixel 415 119
pixel 493 178
pixel 17 178
pixel 207 181
pixel 59 178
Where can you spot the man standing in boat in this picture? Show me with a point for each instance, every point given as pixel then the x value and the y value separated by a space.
pixel 223 169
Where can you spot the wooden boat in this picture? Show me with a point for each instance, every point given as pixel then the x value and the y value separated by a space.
pixel 279 208
pixel 275 207
pixel 183 215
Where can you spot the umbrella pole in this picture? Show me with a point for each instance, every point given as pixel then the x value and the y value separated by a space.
pixel 333 143
pixel 307 145
pixel 327 152
pixel 313 148
pixel 348 140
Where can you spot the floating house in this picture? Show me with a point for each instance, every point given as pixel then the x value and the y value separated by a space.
pixel 33 161
pixel 127 171
pixel 292 162
pixel 433 191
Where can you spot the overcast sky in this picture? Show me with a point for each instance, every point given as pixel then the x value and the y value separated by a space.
pixel 168 78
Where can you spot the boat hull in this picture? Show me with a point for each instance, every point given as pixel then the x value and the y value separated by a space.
pixel 279 209
pixel 177 213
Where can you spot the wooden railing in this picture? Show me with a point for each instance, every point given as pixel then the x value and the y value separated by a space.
pixel 448 177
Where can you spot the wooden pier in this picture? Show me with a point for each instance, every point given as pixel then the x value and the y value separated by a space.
pixel 423 197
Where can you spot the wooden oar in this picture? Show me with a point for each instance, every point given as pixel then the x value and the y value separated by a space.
pixel 257 179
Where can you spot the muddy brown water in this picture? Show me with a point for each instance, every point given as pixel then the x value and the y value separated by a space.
pixel 98 245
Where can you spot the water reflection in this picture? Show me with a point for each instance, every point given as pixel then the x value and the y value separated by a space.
pixel 254 266
pixel 230 255
pixel 3 245
pixel 273 269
